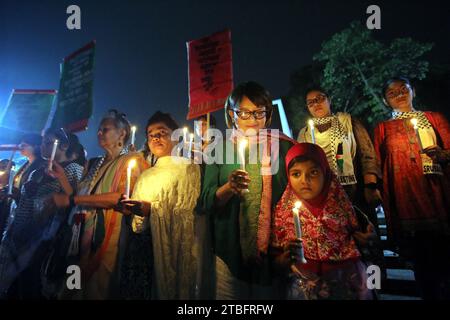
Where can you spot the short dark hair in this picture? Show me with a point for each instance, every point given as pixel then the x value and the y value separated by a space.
pixel 315 88
pixel 34 140
pixel 256 93
pixel 392 80
pixel 74 147
pixel 158 117
pixel 300 159
pixel 120 122
pixel 165 118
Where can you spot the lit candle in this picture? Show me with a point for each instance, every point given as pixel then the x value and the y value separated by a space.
pixel 242 146
pixel 191 141
pixel 131 164
pixel 311 127
pixel 416 130
pixel 133 135
pixel 52 158
pixel 208 124
pixel 298 227
pixel 185 133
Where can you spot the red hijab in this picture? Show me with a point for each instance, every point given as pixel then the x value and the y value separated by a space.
pixel 315 153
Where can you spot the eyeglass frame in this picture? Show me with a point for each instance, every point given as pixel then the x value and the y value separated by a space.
pixel 251 113
pixel 315 101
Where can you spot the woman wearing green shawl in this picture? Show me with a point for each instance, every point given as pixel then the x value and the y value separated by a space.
pixel 241 219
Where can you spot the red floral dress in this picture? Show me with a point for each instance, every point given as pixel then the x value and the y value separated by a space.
pixel 326 237
pixel 333 269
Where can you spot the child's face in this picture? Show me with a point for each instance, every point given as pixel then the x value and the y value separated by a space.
pixel 307 179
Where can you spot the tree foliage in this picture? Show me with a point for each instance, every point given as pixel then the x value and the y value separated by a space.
pixel 355 67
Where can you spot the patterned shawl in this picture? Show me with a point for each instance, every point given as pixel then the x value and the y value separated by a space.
pixel 260 230
pixel 331 210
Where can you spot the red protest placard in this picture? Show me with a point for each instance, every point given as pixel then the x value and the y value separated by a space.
pixel 210 73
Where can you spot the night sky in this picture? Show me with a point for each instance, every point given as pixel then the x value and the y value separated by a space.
pixel 141 63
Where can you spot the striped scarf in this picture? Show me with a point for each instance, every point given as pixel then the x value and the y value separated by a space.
pixel 422 121
pixel 337 134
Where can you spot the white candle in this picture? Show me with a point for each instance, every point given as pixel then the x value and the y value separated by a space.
pixel 131 164
pixel 242 146
pixel 416 130
pixel 298 227
pixel 208 124
pixel 191 141
pixel 52 158
pixel 241 152
pixel 133 135
pixel 185 133
pixel 311 127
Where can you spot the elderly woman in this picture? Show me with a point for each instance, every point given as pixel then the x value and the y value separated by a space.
pixel 35 219
pixel 241 220
pixel 99 231
pixel 416 185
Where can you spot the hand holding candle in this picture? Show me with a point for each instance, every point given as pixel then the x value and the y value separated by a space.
pixel 416 130
pixel 131 164
pixel 298 228
pixel 311 127
pixel 52 157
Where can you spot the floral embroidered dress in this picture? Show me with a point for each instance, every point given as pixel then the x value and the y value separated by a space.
pixel 333 266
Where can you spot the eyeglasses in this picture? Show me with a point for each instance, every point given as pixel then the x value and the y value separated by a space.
pixel 319 99
pixel 245 115
pixel 401 91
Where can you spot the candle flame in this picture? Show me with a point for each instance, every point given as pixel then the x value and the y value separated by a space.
pixel 56 141
pixel 311 123
pixel 185 129
pixel 132 163
pixel 2 173
pixel 191 136
pixel 414 122
pixel 133 128
pixel 298 204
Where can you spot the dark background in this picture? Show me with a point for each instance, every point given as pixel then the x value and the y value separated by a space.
pixel 141 63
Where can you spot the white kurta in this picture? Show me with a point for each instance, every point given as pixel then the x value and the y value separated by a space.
pixel 172 187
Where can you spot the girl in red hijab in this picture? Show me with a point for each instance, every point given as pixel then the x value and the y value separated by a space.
pixel 333 268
